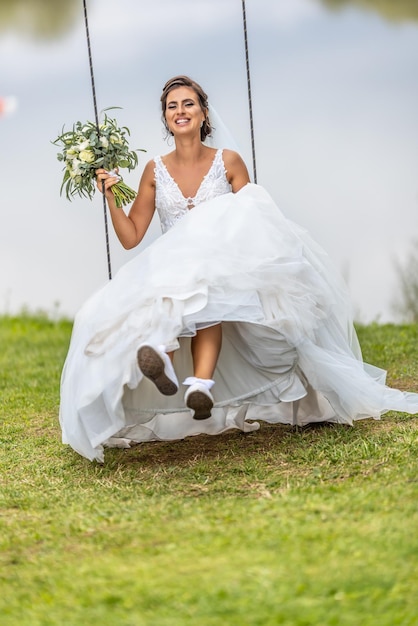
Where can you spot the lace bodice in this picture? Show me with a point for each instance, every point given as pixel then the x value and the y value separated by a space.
pixel 171 204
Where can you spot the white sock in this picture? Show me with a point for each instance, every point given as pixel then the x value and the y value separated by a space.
pixel 191 380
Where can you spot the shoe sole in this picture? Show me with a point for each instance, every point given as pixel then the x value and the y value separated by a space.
pixel 200 404
pixel 152 366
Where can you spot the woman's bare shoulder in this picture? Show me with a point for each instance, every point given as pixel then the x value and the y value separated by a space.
pixel 231 158
pixel 236 169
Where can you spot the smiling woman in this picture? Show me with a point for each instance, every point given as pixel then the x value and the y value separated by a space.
pixel 232 296
pixel 190 98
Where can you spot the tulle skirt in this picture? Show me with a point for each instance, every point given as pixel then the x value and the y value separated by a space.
pixel 289 352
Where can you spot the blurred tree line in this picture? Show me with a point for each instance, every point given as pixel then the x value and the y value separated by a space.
pixel 392 10
pixel 46 19
pixel 405 305
pixel 40 19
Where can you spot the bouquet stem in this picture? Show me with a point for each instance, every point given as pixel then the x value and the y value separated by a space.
pixel 123 194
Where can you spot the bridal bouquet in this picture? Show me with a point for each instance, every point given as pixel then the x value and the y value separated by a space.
pixel 86 148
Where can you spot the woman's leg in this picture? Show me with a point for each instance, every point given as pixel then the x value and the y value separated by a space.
pixel 206 345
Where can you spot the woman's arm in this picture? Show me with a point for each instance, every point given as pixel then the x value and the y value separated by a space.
pixel 130 229
pixel 236 170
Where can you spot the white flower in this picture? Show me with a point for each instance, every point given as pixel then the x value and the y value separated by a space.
pixel 87 156
pixel 104 142
pixel 115 139
pixel 83 145
pixel 75 170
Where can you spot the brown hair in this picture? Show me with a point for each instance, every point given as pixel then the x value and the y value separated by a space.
pixel 185 81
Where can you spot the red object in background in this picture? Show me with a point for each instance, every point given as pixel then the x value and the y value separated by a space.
pixel 8 105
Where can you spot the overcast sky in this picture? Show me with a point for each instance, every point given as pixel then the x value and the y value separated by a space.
pixel 336 129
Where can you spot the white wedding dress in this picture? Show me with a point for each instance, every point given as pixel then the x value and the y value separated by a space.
pixel 289 353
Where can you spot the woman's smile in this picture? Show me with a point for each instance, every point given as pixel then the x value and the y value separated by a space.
pixel 183 109
pixel 182 121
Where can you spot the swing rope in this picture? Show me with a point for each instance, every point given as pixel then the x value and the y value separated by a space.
pixel 96 115
pixel 250 103
pixel 93 89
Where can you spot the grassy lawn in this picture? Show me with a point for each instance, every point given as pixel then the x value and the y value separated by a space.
pixel 310 527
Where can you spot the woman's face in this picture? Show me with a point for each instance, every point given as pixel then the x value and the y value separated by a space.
pixel 183 113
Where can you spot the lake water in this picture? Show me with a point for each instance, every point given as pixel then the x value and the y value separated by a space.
pixel 335 100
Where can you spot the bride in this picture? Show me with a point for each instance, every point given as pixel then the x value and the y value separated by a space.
pixel 233 300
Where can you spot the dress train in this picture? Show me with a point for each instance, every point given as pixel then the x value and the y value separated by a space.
pixel 289 355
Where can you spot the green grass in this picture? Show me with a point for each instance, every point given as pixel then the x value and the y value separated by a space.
pixel 310 527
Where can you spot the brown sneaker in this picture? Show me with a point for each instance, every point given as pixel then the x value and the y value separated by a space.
pixel 200 400
pixel 156 365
